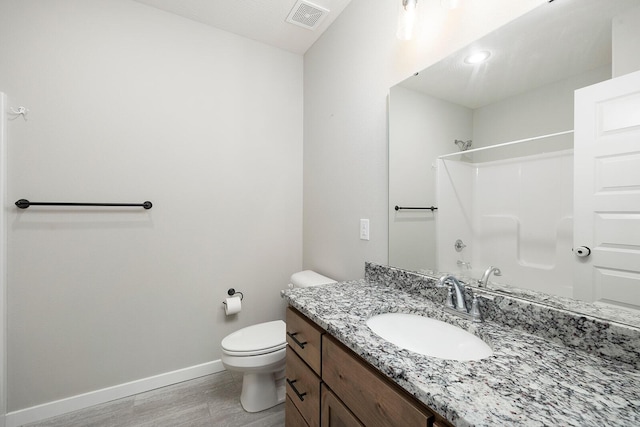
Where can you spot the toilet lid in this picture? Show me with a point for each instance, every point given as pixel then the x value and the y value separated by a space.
pixel 256 339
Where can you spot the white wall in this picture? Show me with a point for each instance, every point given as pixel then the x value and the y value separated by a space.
pixel 347 76
pixel 544 110
pixel 129 103
pixel 3 258
pixel 421 128
pixel 626 43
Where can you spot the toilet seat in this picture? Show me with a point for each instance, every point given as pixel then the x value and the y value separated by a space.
pixel 255 340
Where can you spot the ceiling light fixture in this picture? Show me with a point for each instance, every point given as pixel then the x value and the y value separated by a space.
pixel 406 19
pixel 477 57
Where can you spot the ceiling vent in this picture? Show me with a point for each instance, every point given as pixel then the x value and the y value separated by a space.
pixel 307 15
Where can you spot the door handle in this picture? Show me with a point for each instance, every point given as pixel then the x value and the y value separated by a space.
pixel 582 251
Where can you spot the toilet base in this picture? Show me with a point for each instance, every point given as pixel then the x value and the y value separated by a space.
pixel 262 391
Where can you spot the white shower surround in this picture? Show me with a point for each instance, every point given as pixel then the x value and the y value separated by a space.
pixel 515 213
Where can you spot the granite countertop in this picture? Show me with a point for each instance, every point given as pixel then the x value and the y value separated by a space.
pixel 529 380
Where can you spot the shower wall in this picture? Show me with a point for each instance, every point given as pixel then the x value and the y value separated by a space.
pixel 515 214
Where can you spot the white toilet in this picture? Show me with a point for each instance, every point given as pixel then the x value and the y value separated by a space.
pixel 259 352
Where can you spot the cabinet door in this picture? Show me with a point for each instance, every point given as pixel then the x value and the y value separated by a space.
pixel 372 398
pixel 292 417
pixel 334 413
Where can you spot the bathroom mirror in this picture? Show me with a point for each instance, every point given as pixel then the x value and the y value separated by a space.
pixel 508 120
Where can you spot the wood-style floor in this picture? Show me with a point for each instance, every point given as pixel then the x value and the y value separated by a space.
pixel 213 400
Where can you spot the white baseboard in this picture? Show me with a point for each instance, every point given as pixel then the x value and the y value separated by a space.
pixel 81 401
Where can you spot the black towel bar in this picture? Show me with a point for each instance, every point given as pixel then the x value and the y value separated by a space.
pixel 24 204
pixel 430 208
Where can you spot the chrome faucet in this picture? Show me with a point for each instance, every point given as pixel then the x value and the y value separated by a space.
pixel 458 288
pixel 485 277
pixel 460 307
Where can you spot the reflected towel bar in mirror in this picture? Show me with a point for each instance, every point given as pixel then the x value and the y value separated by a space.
pixel 24 204
pixel 430 208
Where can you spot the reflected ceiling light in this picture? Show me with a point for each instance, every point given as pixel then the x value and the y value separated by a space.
pixel 406 19
pixel 477 57
pixel 450 4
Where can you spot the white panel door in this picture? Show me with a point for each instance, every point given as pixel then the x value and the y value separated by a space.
pixel 607 192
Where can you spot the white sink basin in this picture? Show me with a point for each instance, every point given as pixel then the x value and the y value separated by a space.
pixel 429 336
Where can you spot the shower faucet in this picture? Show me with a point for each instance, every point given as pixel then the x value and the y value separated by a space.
pixel 463 145
pixel 482 283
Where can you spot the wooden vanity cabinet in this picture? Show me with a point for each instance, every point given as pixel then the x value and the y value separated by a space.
pixel 302 376
pixel 328 385
pixel 372 398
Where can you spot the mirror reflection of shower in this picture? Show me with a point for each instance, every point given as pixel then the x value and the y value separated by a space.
pixel 463 145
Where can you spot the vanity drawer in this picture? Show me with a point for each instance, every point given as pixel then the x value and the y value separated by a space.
pixel 304 337
pixel 374 399
pixel 293 418
pixel 303 388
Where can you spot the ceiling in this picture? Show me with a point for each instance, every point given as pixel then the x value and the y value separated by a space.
pixel 260 20
pixel 554 41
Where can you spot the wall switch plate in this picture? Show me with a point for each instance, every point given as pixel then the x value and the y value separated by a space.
pixel 364 229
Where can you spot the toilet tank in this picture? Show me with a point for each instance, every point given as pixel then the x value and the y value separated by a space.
pixel 306 278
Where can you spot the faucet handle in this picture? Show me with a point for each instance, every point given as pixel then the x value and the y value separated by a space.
pixel 475 313
pixel 449 302
pixel 442 282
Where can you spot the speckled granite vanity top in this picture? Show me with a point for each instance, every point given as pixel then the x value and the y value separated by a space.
pixel 529 381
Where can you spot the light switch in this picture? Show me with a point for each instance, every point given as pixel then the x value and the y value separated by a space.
pixel 364 229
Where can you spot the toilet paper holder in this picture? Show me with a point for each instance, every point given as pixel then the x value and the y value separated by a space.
pixel 231 292
pixel 233 304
